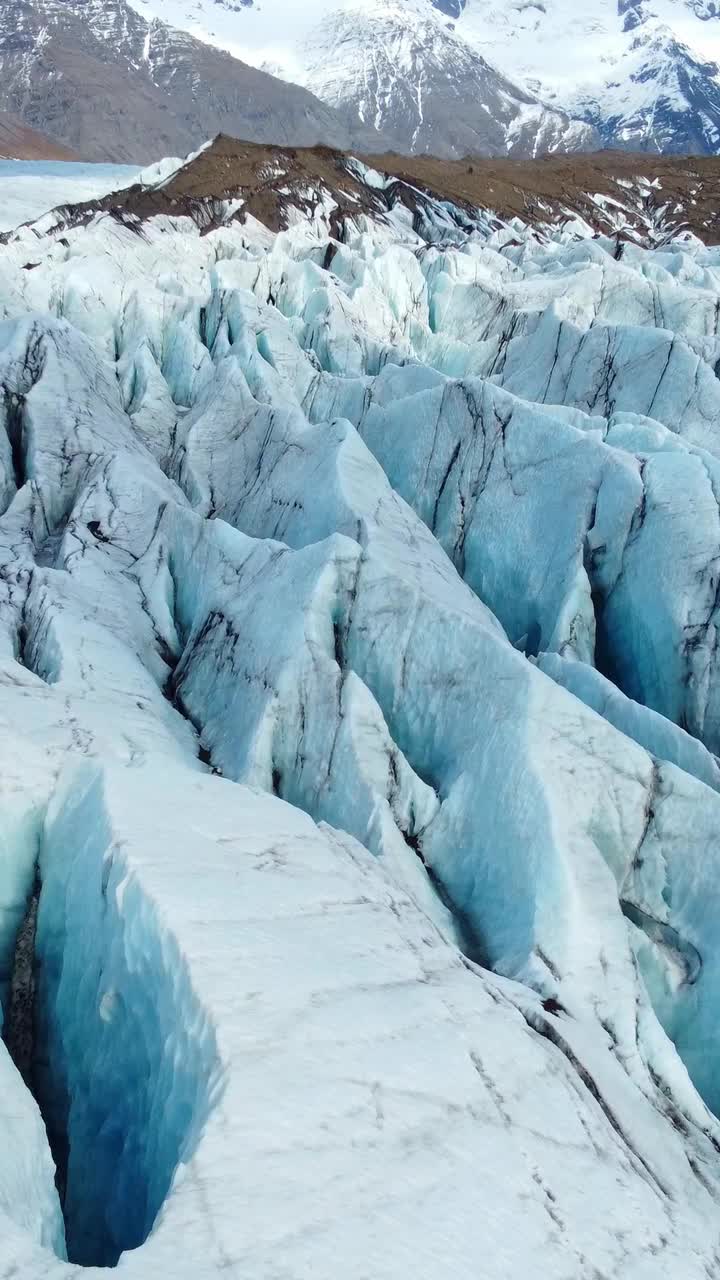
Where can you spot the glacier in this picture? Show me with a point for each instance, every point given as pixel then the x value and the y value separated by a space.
pixel 31 188
pixel 359 591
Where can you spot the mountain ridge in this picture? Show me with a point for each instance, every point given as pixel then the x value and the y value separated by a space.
pixel 114 83
pixel 399 67
pixel 110 85
pixel 644 76
pixel 634 197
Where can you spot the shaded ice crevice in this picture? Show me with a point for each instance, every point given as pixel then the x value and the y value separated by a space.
pixel 299 720
pixel 129 1067
pixel 107 1032
pixel 19 1021
pixel 319 1090
pixel 542 572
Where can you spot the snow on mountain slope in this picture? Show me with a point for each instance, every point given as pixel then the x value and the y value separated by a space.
pixel 668 99
pixel 359 696
pixel 398 67
pixel 643 74
pixel 393 64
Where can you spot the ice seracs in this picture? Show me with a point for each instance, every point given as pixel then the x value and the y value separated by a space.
pixel 358 691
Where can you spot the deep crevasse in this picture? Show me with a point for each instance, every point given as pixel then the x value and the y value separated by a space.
pixel 129 1069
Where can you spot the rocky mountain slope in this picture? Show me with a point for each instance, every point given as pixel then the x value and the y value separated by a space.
pixel 359 726
pixel 635 196
pixel 642 74
pixel 100 79
pixel 112 80
pixel 18 142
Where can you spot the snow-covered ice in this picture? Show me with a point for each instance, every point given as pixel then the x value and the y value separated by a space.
pixel 29 188
pixel 358 707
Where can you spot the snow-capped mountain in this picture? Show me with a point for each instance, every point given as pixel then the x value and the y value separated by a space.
pixel 112 79
pixel 641 72
pixel 659 97
pixel 103 80
pixel 359 730
pixel 396 66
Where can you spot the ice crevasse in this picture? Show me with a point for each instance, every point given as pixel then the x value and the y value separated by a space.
pixel 359 700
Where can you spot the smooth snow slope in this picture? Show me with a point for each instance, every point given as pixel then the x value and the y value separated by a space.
pixel 359 697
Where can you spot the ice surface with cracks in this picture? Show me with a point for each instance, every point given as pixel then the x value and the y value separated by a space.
pixel 293 510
